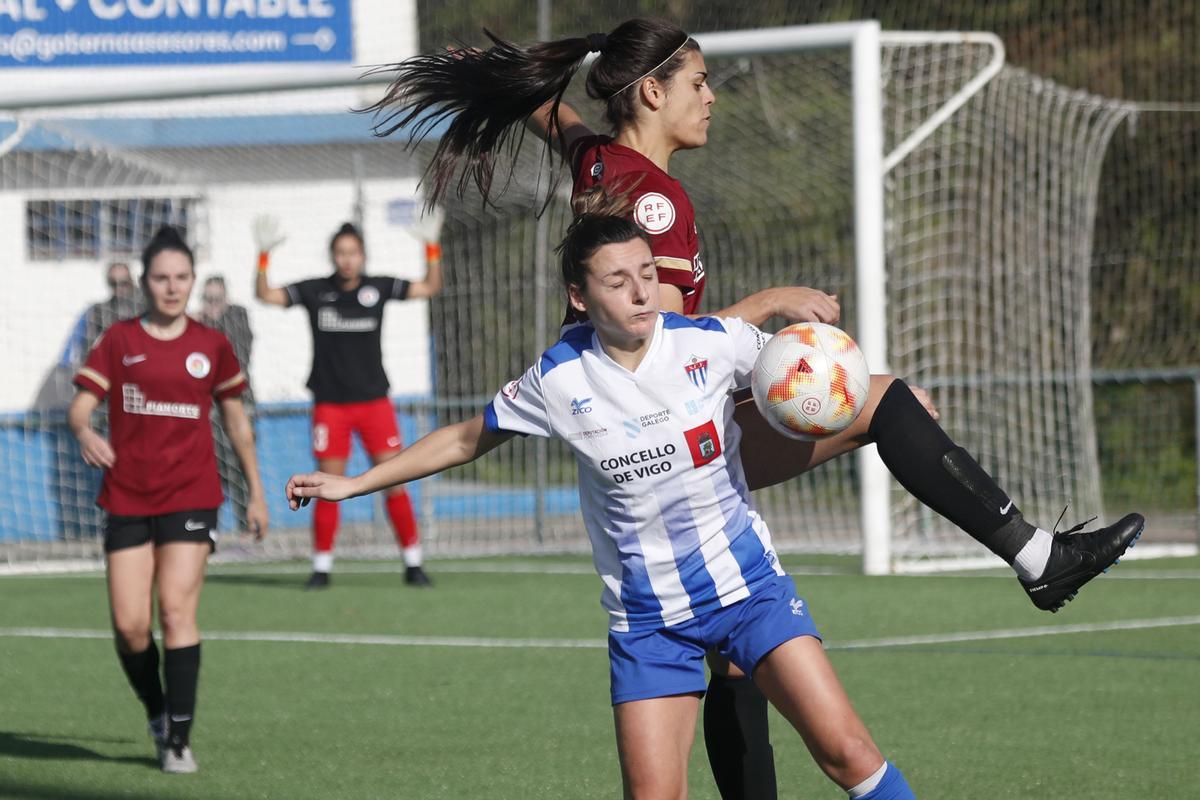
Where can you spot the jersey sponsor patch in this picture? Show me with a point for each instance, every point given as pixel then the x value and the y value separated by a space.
pixel 703 443
pixel 368 296
pixel 512 388
pixel 697 371
pixel 198 365
pixel 654 213
pixel 133 401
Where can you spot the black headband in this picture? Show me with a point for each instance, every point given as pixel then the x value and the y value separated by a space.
pixel 597 42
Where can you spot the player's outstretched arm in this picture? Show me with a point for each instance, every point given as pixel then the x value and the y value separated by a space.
pixel 267 236
pixel 241 436
pixel 446 447
pixel 95 448
pixel 793 303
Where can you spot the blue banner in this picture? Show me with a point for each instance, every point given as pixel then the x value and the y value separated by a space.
pixel 72 33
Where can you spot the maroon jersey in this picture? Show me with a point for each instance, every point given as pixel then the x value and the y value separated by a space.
pixel 661 208
pixel 160 394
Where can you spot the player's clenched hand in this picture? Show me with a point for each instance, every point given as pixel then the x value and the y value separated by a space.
pixel 96 450
pixel 302 488
pixel 802 304
pixel 257 517
pixel 924 399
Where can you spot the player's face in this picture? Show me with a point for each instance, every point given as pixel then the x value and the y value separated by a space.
pixel 688 106
pixel 348 258
pixel 620 295
pixel 169 283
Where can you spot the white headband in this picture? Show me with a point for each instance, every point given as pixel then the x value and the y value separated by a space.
pixel 652 71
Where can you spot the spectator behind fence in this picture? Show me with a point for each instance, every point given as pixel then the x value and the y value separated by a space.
pixel 232 320
pixel 124 302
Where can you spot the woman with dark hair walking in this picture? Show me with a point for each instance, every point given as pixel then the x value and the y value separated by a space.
pixel 653 82
pixel 160 373
pixel 349 385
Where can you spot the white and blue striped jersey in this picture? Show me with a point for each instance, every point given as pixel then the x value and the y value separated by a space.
pixel 662 491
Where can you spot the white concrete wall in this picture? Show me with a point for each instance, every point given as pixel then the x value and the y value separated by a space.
pixel 43 300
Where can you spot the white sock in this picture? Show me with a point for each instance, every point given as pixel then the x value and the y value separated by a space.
pixel 323 562
pixel 867 786
pixel 412 556
pixel 1030 563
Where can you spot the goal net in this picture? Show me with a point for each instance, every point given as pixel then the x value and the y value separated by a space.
pixel 989 245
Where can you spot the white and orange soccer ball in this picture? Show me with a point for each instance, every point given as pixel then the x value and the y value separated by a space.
pixel 810 381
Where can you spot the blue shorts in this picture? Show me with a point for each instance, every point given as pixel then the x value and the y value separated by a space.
pixel 661 662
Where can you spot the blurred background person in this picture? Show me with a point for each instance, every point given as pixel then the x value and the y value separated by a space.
pixel 232 320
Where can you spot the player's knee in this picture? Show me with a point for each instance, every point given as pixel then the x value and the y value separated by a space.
pixel 176 616
pixel 132 633
pixel 656 787
pixel 848 758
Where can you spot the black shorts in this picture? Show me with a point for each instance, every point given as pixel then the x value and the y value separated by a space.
pixel 179 526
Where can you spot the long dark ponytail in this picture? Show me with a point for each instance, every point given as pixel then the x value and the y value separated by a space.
pixel 484 96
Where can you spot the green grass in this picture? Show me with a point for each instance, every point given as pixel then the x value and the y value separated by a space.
pixel 1110 714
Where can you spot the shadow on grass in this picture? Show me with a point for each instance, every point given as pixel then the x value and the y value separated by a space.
pixel 361 580
pixel 281 581
pixel 18 744
pixel 16 790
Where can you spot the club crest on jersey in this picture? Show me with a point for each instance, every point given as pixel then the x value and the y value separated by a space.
pixel 511 388
pixel 654 213
pixel 198 365
pixel 579 406
pixel 597 170
pixel 368 296
pixel 697 371
pixel 703 443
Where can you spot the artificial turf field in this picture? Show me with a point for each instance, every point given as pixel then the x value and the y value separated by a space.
pixel 495 685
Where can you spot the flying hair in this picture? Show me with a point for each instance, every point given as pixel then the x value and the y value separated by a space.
pixel 477 101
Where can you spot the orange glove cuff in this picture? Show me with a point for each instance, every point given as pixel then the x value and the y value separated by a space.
pixel 433 251
pixel 264 261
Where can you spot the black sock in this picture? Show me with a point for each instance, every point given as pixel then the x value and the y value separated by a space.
pixel 738 739
pixel 943 476
pixel 183 671
pixel 142 671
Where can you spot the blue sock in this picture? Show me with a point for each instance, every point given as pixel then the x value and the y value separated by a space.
pixel 892 787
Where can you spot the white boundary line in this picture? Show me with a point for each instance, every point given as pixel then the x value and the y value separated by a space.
pixel 599 644
pixel 95 569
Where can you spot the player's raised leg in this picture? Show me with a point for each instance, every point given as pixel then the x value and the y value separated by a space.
pixel 945 477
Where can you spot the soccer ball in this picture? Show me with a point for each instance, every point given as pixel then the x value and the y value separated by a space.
pixel 810 381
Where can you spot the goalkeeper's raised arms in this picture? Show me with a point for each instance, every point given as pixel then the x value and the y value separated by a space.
pixel 268 234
